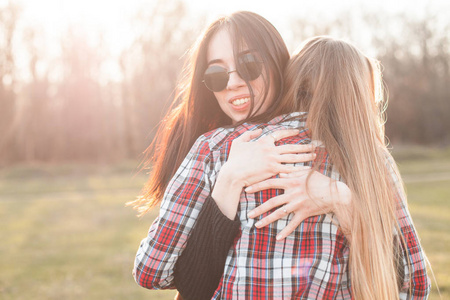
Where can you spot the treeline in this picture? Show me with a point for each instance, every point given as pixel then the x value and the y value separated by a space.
pixel 68 110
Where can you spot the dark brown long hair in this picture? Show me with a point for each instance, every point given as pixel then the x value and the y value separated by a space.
pixel 195 110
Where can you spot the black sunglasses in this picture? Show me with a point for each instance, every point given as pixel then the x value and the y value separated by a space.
pixel 248 67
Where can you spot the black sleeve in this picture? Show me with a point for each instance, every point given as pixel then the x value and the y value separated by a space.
pixel 200 266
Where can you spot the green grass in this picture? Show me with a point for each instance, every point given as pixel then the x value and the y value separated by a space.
pixel 66 233
pixel 427 177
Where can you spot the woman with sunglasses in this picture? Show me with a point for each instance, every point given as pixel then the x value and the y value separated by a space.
pixel 201 103
pixel 225 85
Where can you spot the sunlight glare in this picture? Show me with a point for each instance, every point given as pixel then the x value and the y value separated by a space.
pixel 100 22
pixel 109 18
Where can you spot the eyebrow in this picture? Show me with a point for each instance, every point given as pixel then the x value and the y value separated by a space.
pixel 247 51
pixel 215 61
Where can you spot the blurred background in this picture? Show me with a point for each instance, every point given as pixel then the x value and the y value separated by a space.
pixel 84 85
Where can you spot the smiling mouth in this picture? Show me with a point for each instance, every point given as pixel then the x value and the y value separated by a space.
pixel 240 101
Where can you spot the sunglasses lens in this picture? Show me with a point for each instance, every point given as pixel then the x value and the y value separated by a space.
pixel 216 78
pixel 249 67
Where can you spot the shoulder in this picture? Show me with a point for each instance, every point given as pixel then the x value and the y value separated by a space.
pixel 296 120
pixel 390 164
pixel 217 138
pixel 214 139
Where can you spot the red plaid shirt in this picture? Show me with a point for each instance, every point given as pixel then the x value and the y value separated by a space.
pixel 311 263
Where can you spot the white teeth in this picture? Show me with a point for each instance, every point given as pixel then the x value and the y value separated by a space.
pixel 240 101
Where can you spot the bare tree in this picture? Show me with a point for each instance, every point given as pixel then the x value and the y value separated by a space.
pixel 417 75
pixel 151 68
pixel 415 57
pixel 79 108
pixel 9 16
pixel 67 112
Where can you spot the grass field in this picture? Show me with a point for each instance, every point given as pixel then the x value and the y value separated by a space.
pixel 66 233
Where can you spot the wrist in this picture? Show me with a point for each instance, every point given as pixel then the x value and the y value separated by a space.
pixel 343 208
pixel 344 194
pixel 230 177
pixel 226 192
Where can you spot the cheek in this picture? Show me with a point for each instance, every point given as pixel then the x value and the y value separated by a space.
pixel 258 85
pixel 220 98
pixel 259 88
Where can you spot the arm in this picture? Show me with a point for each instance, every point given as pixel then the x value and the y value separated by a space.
pixel 416 283
pixel 200 266
pixel 182 202
pixel 325 195
pixel 252 161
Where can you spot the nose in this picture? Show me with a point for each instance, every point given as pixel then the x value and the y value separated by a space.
pixel 235 81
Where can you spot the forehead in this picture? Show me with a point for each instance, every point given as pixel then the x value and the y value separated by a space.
pixel 221 47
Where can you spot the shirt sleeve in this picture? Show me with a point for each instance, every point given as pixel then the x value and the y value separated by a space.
pixel 200 267
pixel 415 284
pixel 180 207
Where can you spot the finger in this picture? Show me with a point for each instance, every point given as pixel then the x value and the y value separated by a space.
pixel 290 227
pixel 266 206
pixel 249 135
pixel 287 169
pixel 296 158
pixel 279 183
pixel 295 148
pixel 300 172
pixel 276 215
pixel 283 133
pixel 271 183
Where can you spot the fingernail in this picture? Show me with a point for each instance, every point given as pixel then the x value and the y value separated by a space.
pixel 258 224
pixel 251 214
pixel 248 189
pixel 316 143
pixel 279 237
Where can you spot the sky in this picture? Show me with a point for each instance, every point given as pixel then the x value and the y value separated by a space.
pixel 112 17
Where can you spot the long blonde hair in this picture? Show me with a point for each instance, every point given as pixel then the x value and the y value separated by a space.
pixel 341 89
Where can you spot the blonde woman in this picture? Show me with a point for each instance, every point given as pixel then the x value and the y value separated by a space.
pixel 341 89
pixel 379 256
